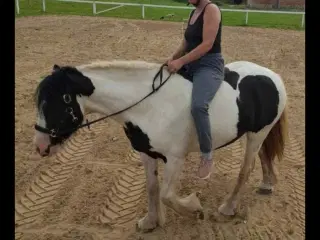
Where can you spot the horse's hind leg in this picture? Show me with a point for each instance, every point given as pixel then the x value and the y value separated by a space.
pixel 269 176
pixel 254 142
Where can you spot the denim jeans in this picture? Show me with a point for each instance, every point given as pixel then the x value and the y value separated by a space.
pixel 206 73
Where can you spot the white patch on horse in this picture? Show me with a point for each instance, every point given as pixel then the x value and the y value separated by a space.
pixel 41 119
pixel 42 140
pixel 116 81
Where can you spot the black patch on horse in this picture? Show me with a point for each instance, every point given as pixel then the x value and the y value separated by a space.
pixel 140 141
pixel 258 103
pixel 56 95
pixel 231 77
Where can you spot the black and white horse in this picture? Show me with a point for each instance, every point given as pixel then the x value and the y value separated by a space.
pixel 251 102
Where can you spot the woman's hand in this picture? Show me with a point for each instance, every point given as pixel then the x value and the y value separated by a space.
pixel 168 60
pixel 174 65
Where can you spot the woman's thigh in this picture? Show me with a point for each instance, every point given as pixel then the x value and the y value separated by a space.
pixel 206 80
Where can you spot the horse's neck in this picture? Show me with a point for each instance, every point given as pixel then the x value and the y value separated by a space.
pixel 117 89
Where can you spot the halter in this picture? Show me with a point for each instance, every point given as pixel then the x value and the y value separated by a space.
pixel 54 133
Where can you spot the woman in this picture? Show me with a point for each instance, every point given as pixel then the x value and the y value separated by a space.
pixel 199 57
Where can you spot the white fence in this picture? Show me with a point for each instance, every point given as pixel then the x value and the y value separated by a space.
pixel 143 7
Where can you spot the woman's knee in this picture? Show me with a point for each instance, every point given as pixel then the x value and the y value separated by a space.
pixel 199 108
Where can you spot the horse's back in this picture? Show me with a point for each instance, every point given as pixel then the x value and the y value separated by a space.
pixel 245 68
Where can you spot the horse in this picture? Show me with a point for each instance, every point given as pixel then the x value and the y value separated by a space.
pixel 153 106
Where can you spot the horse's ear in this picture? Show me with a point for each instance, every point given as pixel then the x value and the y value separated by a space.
pixel 55 67
pixel 81 84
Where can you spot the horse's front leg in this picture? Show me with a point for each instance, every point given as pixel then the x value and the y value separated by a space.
pixel 189 205
pixel 155 215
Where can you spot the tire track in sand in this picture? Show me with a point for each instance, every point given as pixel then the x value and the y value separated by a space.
pixel 45 186
pixel 223 231
pixel 121 206
pixel 231 158
pixel 295 156
pixel 18 235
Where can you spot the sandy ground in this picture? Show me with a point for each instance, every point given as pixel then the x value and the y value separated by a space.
pixel 95 188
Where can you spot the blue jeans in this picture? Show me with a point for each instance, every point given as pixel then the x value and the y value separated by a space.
pixel 206 73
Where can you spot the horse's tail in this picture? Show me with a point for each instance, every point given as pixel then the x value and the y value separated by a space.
pixel 274 144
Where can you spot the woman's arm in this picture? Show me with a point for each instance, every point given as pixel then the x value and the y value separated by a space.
pixel 211 22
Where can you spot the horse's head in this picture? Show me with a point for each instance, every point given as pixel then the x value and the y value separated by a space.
pixel 58 107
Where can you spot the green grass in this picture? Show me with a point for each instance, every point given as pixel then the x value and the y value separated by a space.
pixel 284 21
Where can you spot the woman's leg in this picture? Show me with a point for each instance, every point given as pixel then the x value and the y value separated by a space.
pixel 206 82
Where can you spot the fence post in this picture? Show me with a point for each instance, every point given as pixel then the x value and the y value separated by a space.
pixel 94 8
pixel 247 16
pixel 17 7
pixel 302 21
pixel 44 5
pixel 143 13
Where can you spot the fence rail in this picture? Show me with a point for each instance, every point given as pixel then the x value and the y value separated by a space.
pixel 17 7
pixel 143 6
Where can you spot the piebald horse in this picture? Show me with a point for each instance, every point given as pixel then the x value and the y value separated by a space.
pixel 154 108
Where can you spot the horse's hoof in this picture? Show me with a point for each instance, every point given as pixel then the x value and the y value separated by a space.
pixel 264 191
pixel 139 229
pixel 226 210
pixel 145 225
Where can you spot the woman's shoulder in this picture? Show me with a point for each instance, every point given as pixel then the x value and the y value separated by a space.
pixel 212 9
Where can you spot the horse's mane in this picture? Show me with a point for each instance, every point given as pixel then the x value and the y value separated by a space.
pixel 49 81
pixel 123 64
